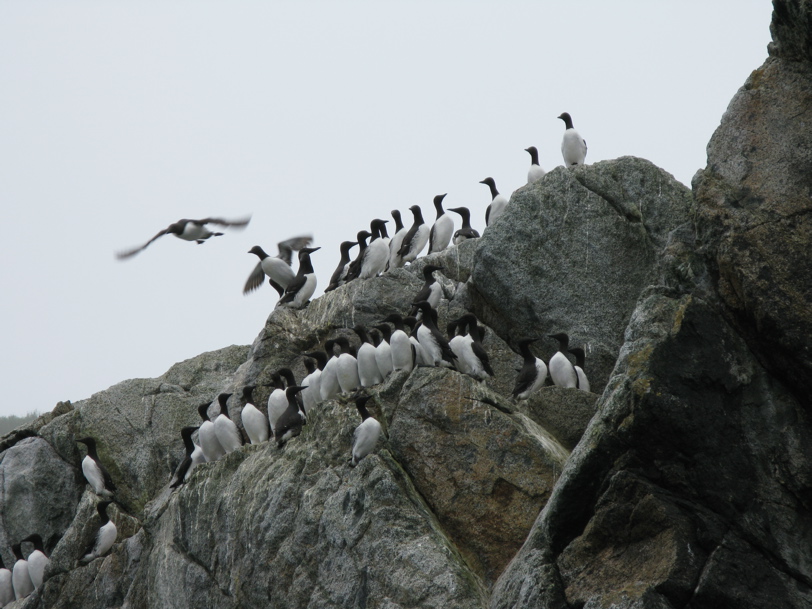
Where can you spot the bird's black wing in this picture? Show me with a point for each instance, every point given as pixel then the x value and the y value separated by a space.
pixel 479 351
pixel 180 473
pixel 525 379
pixel 108 481
pixel 294 244
pixel 406 244
pixel 255 279
pixel 222 222
pixel 132 252
pixel 293 287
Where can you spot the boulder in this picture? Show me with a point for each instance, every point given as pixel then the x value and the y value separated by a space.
pixel 583 243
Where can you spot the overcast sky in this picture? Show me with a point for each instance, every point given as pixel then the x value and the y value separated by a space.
pixel 117 119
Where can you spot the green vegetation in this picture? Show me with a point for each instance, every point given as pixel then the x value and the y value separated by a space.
pixel 8 424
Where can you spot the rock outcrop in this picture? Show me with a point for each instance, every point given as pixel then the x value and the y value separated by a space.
pixel 689 481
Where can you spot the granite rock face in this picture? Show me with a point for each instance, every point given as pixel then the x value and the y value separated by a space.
pixel 754 202
pixel 583 243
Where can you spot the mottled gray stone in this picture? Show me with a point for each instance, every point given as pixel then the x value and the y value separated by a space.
pixel 582 244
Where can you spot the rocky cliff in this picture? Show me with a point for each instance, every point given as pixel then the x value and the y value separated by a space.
pixel 685 480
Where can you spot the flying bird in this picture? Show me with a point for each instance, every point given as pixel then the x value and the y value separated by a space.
pixel 277 268
pixel 188 230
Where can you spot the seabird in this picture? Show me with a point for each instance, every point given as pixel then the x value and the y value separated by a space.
pixel 573 146
pixel 431 291
pixel 477 363
pixel 400 345
pixel 418 352
pixel 354 270
pixel 416 237
pixel 561 369
pixel 6 587
pixel 228 435
pixel 188 230
pixel 20 578
pixel 532 374
pixel 289 425
pixel 339 277
pixel 95 473
pixel 193 457
pixel 299 291
pixel 497 205
pixel 105 537
pixel 312 395
pixel 383 352
pixel 366 434
pixel 329 374
pixel 431 339
pixel 347 367
pixel 535 172
pixel 396 242
pixel 253 421
pixel 277 402
pixel 277 268
pixel 443 228
pixel 580 357
pixel 466 232
pixel 37 560
pixel 290 380
pixel 209 444
pixel 368 372
pixel 377 252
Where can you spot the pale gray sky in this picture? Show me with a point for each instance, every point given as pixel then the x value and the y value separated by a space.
pixel 117 119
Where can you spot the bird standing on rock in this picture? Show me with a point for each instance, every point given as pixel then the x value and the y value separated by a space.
pixel 6 586
pixel 37 560
pixel 498 203
pixel 466 232
pixel 227 433
pixel 193 457
pixel 95 473
pixel 289 425
pixel 20 578
pixel 535 172
pixel 573 146
pixel 561 369
pixel 366 435
pixel 532 374
pixel 416 237
pixel 253 421
pixel 105 537
pixel 302 287
pixel 209 444
pixel 443 228
pixel 580 358
pixel 188 230
pixel 339 277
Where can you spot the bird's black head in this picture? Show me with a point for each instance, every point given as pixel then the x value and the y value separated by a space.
pixel 36 540
pixel 439 199
pixel 565 116
pixel 248 394
pixel 258 251
pixel 346 246
pixel 203 411
pixel 187 432
pixel 308 250
pixel 488 182
pixel 562 339
pixel 89 442
pixel 430 268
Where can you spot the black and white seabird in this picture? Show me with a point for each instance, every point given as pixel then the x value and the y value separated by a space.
pixel 6 587
pixel 347 367
pixel 192 458
pixel 289 425
pixel 396 242
pixel 498 203
pixel 580 357
pixel 253 421
pixel 432 340
pixel 37 560
pixel 228 435
pixel 477 362
pixel 573 146
pixel 212 449
pixel 276 268
pixel 415 238
pixel 442 229
pixel 532 374
pixel 421 358
pixel 312 395
pixel 354 269
pixel 95 473
pixel 277 402
pixel 466 232
pixel 20 578
pixel 188 230
pixel 561 369
pixel 299 291
pixel 431 291
pixel 329 374
pixel 383 352
pixel 535 172
pixel 400 345
pixel 105 537
pixel 377 253
pixel 366 435
pixel 339 277
pixel 368 372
